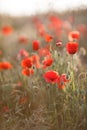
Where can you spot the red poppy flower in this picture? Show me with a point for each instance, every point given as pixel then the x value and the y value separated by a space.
pixel 44 52
pixel 72 47
pixel 27 72
pixel 47 62
pixel 38 65
pixel 36 45
pixel 26 63
pixel 5 65
pixel 35 58
pixel 7 30
pixel 63 78
pixel 22 53
pixel 56 22
pixel 62 81
pixel 36 61
pixel 59 43
pixel 74 35
pixel 48 38
pixel 39 26
pixel 41 32
pixel 51 76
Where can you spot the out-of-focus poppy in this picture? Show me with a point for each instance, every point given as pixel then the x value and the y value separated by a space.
pixel 41 29
pixel 43 52
pixel 72 47
pixel 22 54
pixel 62 80
pixel 23 39
pixel 7 30
pixel 59 43
pixel 27 72
pixel 26 63
pixel 5 66
pixel 47 62
pixel 36 45
pixel 39 26
pixel 56 22
pixel 48 37
pixel 74 35
pixel 51 76
pixel 36 60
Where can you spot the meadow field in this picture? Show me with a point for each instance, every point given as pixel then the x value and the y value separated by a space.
pixel 43 71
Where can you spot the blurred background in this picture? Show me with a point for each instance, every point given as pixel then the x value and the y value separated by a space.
pixel 28 7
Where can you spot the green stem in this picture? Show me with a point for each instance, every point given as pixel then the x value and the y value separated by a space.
pixel 72 70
